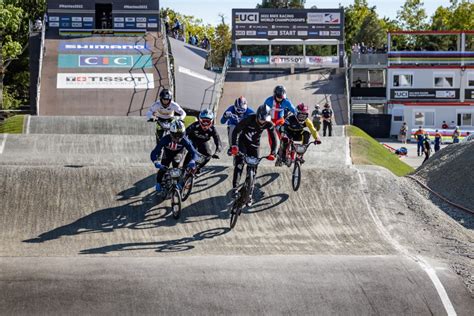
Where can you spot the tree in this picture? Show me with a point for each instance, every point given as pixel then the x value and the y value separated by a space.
pixel 362 25
pixel 282 4
pixel 10 22
pixel 412 15
pixel 221 43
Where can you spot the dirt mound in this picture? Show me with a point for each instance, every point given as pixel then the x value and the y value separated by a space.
pixel 450 172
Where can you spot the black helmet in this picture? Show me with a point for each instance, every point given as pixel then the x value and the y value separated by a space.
pixel 165 94
pixel 279 92
pixel 263 114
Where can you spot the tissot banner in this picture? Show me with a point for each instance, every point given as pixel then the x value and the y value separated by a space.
pixel 105 81
pixel 104 61
pixel 288 23
pixel 407 94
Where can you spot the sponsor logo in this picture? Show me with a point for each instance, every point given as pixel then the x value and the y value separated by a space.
pixel 104 61
pixel 400 94
pixel 136 7
pixel 324 18
pixel 153 25
pixel 251 33
pixel 302 33
pixel 323 61
pixel 76 24
pixel 324 33
pixel 119 19
pixel 77 19
pixel 445 94
pixel 141 20
pixel 104 81
pixel 71 6
pixel 65 18
pixel 287 60
pixel 335 33
pixel 53 24
pixel 119 25
pixel 129 19
pixel 100 61
pixel 143 25
pixel 54 18
pixel 272 33
pixel 241 33
pixel 65 24
pixel 246 17
pixel 88 19
pixel 65 46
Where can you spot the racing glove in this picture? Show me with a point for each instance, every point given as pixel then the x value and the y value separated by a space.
pixel 271 157
pixel 234 150
pixel 158 165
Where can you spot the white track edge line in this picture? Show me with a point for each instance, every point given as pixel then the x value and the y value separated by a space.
pixel 28 120
pixel 4 141
pixel 448 305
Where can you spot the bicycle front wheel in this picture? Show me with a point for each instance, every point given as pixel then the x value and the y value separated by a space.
pixel 176 203
pixel 187 187
pixel 296 177
pixel 234 213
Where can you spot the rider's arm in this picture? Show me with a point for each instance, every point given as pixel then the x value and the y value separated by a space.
pixel 156 152
pixel 249 111
pixel 149 114
pixel 224 119
pixel 273 137
pixel 217 140
pixel 179 111
pixel 238 128
pixel 313 131
pixel 190 148
pixel 289 106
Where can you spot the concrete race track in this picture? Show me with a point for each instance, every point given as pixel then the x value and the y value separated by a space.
pixel 83 233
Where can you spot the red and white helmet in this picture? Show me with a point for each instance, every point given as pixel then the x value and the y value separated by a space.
pixel 302 112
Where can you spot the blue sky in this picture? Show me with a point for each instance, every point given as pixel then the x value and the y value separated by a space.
pixel 209 10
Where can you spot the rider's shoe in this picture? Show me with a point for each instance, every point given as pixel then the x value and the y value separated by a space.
pixel 302 160
pixel 158 188
pixel 234 193
pixel 229 152
pixel 278 162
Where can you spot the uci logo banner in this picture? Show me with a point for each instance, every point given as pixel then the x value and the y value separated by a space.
pixel 246 17
pixel 104 61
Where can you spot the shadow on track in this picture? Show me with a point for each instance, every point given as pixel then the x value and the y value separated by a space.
pixel 175 245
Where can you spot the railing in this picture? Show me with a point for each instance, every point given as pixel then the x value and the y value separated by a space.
pixel 169 60
pixel 348 96
pixel 219 87
pixel 38 84
pixel 369 59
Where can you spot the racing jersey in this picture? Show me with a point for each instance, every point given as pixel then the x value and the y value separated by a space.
pixel 249 132
pixel 240 117
pixel 198 136
pixel 292 125
pixel 168 144
pixel 278 109
pixel 169 112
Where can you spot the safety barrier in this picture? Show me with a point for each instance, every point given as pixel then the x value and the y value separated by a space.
pixel 169 59
pixel 38 84
pixel 219 87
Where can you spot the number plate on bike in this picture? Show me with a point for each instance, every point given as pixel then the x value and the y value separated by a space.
pixel 300 149
pixel 251 160
pixel 175 173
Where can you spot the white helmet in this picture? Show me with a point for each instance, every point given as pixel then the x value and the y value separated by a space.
pixel 177 130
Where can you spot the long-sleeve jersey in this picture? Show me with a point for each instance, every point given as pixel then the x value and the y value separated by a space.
pixel 238 118
pixel 172 110
pixel 167 144
pixel 292 125
pixel 198 136
pixel 249 131
pixel 278 109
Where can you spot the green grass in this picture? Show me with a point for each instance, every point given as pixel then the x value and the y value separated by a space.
pixel 367 151
pixel 12 125
pixel 188 120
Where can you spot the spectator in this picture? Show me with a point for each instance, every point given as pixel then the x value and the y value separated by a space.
pixel 452 125
pixel 38 24
pixel 327 119
pixel 437 141
pixel 167 24
pixel 363 48
pixel 103 21
pixel 205 43
pixel 444 126
pixel 403 133
pixel 420 136
pixel 358 83
pixel 176 28
pixel 238 57
pixel 316 115
pixel 426 147
pixel 456 135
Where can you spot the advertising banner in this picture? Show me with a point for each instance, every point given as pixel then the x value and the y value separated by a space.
pixel 79 46
pixel 323 61
pixel 288 23
pixel 297 60
pixel 105 81
pixel 255 60
pixel 469 94
pixel 105 61
pixel 419 94
pixel 90 5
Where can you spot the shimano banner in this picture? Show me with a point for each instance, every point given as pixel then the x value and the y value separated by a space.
pixel 288 23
